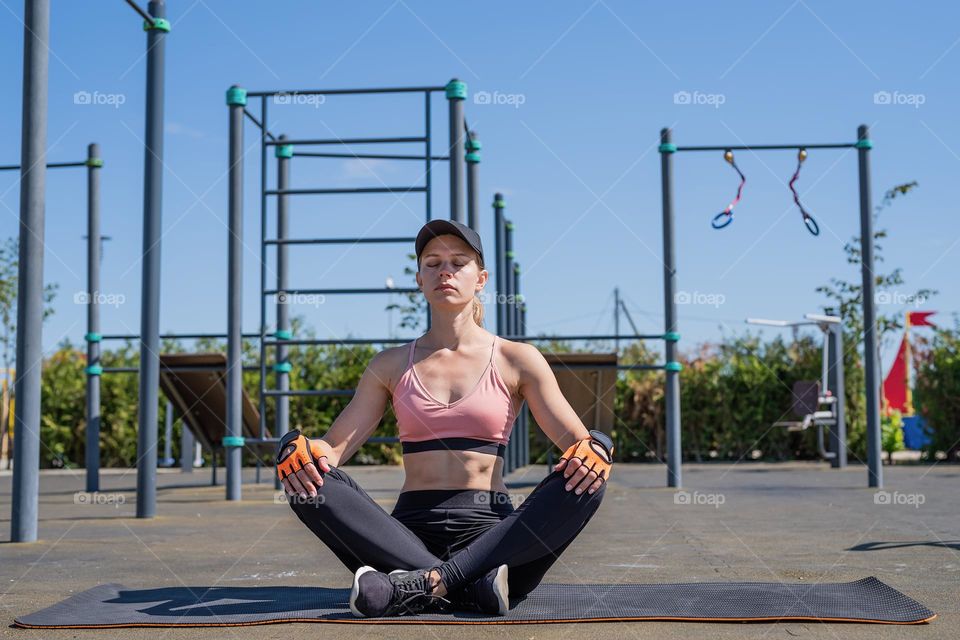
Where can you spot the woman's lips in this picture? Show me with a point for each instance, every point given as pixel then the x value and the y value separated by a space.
pixel 444 287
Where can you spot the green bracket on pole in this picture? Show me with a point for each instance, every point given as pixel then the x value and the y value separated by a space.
pixel 520 299
pixel 499 204
pixel 237 96
pixel 283 334
pixel 283 367
pixel 509 226
pixel 673 366
pixel 158 24
pixel 456 90
pixel 668 147
pixel 284 151
pixel 93 370
pixel 510 254
pixel 93 337
pixel 94 162
pixel 671 336
pixel 516 269
pixel 866 143
pixel 473 150
pixel 233 441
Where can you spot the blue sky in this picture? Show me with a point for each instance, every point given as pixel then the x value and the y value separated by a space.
pixel 582 90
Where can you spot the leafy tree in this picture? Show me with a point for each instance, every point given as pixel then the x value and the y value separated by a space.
pixel 9 280
pixel 845 298
pixel 938 392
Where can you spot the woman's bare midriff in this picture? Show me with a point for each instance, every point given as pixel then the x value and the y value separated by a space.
pixel 445 469
pixel 453 470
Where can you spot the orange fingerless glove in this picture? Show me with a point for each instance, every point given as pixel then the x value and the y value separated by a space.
pixel 295 452
pixel 595 452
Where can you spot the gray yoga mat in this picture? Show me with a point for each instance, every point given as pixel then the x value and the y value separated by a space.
pixel 114 605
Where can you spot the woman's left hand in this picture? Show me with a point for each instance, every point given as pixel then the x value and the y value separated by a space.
pixel 585 468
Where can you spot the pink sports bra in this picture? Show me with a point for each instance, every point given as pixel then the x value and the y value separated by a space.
pixel 480 421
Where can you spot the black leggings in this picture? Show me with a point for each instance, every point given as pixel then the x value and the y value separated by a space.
pixel 462 533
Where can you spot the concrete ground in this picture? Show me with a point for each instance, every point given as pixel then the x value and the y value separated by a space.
pixel 792 522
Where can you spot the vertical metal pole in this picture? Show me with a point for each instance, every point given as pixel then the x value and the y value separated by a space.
pixel 93 370
pixel 284 153
pixel 672 390
pixel 186 447
pixel 517 298
pixel 511 329
pixel 33 170
pixel 150 284
pixel 428 128
pixel 513 447
pixel 428 162
pixel 499 238
pixel 262 299
pixel 616 319
pixel 874 459
pixel 838 434
pixel 525 443
pixel 520 329
pixel 473 181
pixel 526 422
pixel 236 100
pixel 168 435
pixel 456 93
pixel 508 278
pixel 522 311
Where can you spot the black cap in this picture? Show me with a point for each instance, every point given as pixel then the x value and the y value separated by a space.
pixel 441 227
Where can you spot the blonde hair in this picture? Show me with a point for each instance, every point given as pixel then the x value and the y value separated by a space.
pixel 477 302
pixel 478 310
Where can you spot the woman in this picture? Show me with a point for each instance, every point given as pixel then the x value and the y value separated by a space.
pixel 453 540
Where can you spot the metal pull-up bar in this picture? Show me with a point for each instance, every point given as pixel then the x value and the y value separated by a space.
pixel 767 147
pixel 394 140
pixel 863 145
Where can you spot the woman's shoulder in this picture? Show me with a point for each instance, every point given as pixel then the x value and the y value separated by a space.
pixel 515 359
pixel 389 364
pixel 518 352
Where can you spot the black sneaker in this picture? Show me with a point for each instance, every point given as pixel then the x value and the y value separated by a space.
pixel 487 594
pixel 376 594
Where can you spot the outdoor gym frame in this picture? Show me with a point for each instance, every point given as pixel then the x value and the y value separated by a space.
pixel 26 450
pixel 25 499
pixel 285 149
pixel 862 145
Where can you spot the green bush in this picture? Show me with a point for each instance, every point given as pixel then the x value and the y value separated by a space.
pixel 938 393
pixel 891 433
pixel 731 394
pixel 62 421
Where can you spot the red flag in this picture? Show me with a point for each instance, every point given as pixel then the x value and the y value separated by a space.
pixel 895 384
pixel 919 318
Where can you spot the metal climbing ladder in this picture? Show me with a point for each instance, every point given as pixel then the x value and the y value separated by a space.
pixel 284 151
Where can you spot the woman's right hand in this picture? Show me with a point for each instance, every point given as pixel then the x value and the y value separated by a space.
pixel 297 460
